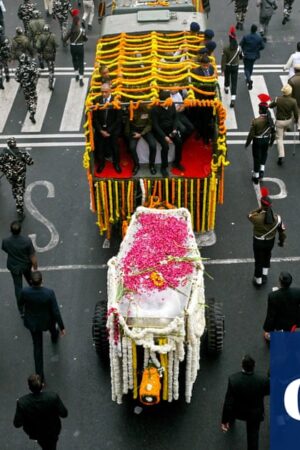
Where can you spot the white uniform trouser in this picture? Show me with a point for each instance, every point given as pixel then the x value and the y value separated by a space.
pixel 89 8
pixel 48 5
pixel 281 126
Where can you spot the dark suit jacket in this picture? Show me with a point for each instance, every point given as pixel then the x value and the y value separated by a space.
pixel 283 309
pixel 39 414
pixel 164 121
pixel 40 308
pixel 244 398
pixel 19 250
pixel 111 117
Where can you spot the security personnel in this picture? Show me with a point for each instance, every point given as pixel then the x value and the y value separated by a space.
pixel 77 36
pixel 20 44
pixel 265 225
pixel 61 11
pixel 286 114
pixel 230 65
pixel 4 57
pixel 262 135
pixel 25 13
pixel 294 81
pixel 35 29
pixel 287 10
pixel 27 74
pixel 240 9
pixel 46 46
pixel 13 164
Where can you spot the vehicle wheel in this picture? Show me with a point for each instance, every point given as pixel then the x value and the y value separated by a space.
pixel 99 330
pixel 214 327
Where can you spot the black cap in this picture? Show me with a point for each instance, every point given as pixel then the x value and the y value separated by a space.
pixel 285 278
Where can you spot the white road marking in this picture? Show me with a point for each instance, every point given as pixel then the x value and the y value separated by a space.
pixel 259 87
pixel 74 106
pixel 38 216
pixel 230 114
pixel 7 97
pixel 284 79
pixel 44 95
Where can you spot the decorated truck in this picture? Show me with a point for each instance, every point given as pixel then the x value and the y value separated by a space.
pixel 156 317
pixel 147 47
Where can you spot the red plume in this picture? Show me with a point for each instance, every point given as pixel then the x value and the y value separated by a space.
pixel 75 12
pixel 232 32
pixel 264 191
pixel 264 98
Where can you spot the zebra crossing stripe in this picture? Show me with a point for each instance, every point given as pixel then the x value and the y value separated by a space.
pixel 7 97
pixel 74 106
pixel 44 95
pixel 231 123
pixel 284 79
pixel 259 87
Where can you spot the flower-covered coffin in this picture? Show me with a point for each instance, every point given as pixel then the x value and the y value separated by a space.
pixel 156 300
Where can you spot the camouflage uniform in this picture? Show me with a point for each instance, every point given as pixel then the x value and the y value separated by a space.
pixel 4 58
pixel 21 44
pixel 13 164
pixel 287 9
pixel 35 29
pixel 240 9
pixel 25 13
pixel 61 9
pixel 27 74
pixel 46 46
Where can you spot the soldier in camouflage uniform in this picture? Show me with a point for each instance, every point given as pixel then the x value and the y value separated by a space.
pixel 20 44
pixel 25 13
pixel 27 74
pixel 4 57
pixel 35 29
pixel 287 10
pixel 46 46
pixel 61 9
pixel 13 164
pixel 240 9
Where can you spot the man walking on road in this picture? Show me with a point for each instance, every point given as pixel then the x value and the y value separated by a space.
pixel 287 10
pixel 89 10
pixel 5 56
pixel 251 45
pixel 21 258
pixel 41 313
pixel 244 400
pixel 27 74
pixel 266 10
pixel 25 13
pixel 77 37
pixel 39 414
pixel 46 46
pixel 295 83
pixel 240 9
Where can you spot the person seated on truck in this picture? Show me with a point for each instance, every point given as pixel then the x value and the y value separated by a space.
pixel 165 127
pixel 140 127
pixel 104 74
pixel 185 126
pixel 107 127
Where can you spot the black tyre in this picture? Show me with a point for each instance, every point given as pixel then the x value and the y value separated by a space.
pixel 214 327
pixel 99 330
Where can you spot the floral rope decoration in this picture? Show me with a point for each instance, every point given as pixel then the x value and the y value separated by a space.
pixel 116 328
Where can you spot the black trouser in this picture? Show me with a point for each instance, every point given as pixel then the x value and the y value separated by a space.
pixel 165 148
pixel 18 283
pixel 149 138
pixel 77 53
pixel 37 339
pixel 259 152
pixel 248 68
pixel 48 443
pixel 262 254
pixel 252 434
pixel 204 122
pixel 231 78
pixel 185 126
pixel 104 147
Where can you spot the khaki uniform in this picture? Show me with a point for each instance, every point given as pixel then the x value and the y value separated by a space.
pixel 21 44
pixel 286 112
pixel 46 46
pixel 294 81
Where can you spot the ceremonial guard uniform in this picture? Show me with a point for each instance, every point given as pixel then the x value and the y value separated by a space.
pixel 286 112
pixel 35 29
pixel 46 46
pixel 230 65
pixel 4 57
pixel 20 44
pixel 294 81
pixel 287 10
pixel 240 9
pixel 25 13
pixel 265 225
pixel 77 37
pixel 27 74
pixel 262 135
pixel 13 164
pixel 61 10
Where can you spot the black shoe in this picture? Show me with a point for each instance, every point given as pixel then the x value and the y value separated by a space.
pixel 232 103
pixel 7 78
pixel 226 90
pixel 77 78
pixel 261 174
pixel 280 161
pixel 81 83
pixel 47 13
pixel 135 169
pixel 152 169
pixel 32 118
pixel 284 21
pixel 250 85
pixel 90 27
pixel 179 166
pixel 254 282
pixel 255 180
pixel 241 26
pixel 264 279
pixel 117 168
pixel 51 87
pixel 1 85
pixel 238 26
pixel 164 172
pixel 83 23
pixel 42 65
pixel 21 217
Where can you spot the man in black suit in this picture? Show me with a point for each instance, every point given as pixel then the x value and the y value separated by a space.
pixel 39 414
pixel 107 125
pixel 41 313
pixel 244 400
pixel 283 306
pixel 21 258
pixel 165 128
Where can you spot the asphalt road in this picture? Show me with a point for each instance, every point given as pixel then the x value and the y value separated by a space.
pixel 72 256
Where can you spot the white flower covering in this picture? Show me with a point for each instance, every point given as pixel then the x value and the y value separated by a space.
pixel 182 334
